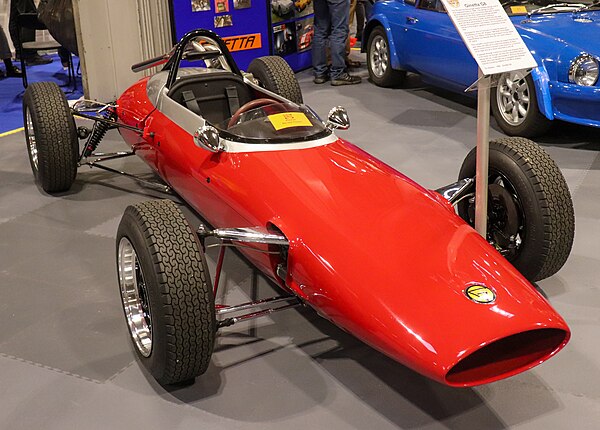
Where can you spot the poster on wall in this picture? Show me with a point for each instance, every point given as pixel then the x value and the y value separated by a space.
pixel 284 39
pixel 282 10
pixel 303 7
pixel 304 33
pixel 242 4
pixel 221 6
pixel 200 5
pixel 223 21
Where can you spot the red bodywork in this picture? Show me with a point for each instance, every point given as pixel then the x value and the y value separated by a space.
pixel 371 250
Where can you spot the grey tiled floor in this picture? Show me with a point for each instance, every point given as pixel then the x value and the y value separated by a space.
pixel 65 359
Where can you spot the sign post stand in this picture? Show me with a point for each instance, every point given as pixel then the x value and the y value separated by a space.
pixel 497 48
pixel 483 153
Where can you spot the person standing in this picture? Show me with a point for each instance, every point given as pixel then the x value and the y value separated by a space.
pixel 6 56
pixel 18 7
pixel 331 24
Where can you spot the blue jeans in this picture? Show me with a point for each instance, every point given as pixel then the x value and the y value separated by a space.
pixel 331 23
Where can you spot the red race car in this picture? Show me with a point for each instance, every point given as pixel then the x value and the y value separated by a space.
pixel 395 264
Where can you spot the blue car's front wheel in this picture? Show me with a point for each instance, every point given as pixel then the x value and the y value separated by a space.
pixel 379 61
pixel 515 107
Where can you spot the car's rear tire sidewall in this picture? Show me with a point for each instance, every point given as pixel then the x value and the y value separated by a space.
pixel 276 75
pixel 533 123
pixel 51 137
pixel 543 199
pixel 379 60
pixel 182 310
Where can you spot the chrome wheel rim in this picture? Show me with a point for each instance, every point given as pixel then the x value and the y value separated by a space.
pixel 378 56
pixel 31 143
pixel 134 296
pixel 513 98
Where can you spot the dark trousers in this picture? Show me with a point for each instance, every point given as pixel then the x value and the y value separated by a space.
pixel 5 53
pixel 360 17
pixel 331 24
pixel 27 35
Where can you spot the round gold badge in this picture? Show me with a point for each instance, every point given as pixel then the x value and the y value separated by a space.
pixel 480 294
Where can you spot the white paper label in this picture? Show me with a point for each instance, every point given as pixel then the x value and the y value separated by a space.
pixel 490 35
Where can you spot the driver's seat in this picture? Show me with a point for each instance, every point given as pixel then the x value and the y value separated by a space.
pixel 214 96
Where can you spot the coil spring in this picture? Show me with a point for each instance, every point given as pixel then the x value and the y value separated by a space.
pixel 99 131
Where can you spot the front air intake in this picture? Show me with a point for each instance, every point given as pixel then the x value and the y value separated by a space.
pixel 507 356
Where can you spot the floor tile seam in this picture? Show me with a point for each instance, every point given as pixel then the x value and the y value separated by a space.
pixel 57 228
pixel 586 171
pixel 52 369
pixel 121 371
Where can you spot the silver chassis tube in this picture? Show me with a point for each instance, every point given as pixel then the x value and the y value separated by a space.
pixel 237 237
pixel 101 157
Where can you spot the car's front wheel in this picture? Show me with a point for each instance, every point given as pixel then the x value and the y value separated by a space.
pixel 165 292
pixel 530 211
pixel 379 61
pixel 515 106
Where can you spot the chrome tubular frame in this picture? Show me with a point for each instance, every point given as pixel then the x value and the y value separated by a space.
pixel 237 237
pixel 290 302
pixel 249 235
pixel 101 157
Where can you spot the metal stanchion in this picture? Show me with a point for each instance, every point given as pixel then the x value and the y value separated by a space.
pixel 483 153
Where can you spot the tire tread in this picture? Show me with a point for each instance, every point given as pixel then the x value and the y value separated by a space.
pixel 276 75
pixel 55 134
pixel 187 301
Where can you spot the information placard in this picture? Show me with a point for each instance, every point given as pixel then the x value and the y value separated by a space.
pixel 490 36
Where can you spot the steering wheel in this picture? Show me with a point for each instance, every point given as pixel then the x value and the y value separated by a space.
pixel 252 104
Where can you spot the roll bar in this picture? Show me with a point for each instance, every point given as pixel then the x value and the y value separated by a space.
pixel 173 58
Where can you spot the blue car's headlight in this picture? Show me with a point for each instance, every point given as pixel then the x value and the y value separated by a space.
pixel 584 70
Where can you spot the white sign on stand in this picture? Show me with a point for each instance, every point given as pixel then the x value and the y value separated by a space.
pixel 489 35
pixel 497 48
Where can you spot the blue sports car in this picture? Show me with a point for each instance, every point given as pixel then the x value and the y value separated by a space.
pixel 564 38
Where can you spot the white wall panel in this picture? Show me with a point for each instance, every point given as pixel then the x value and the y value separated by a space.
pixel 113 35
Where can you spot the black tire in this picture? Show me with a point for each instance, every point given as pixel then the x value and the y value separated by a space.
pixel 276 75
pixel 530 200
pixel 51 136
pixel 532 122
pixel 171 291
pixel 379 61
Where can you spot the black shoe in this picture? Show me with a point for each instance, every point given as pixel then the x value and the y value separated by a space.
pixel 1 74
pixel 320 79
pixel 346 79
pixel 15 72
pixel 37 60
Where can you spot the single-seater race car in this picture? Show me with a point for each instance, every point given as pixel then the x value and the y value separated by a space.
pixel 395 264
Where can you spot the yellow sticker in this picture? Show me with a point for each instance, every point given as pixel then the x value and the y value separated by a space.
pixel 289 119
pixel 518 9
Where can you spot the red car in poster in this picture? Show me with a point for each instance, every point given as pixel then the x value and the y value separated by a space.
pixel 395 264
pixel 306 37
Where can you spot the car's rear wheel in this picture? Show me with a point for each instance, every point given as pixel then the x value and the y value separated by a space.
pixel 166 296
pixel 515 106
pixel 276 75
pixel 51 136
pixel 379 61
pixel 530 211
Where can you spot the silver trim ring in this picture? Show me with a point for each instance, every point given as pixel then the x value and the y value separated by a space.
pixel 513 98
pixel 134 296
pixel 31 143
pixel 378 56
